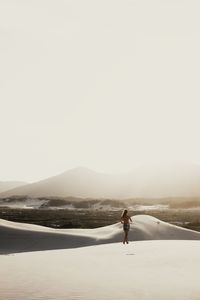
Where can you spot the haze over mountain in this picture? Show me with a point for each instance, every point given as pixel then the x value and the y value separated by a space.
pixel 181 180
pixel 7 185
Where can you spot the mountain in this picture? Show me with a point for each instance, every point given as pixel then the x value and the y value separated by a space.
pixel 80 181
pixel 181 180
pixel 7 185
pixel 172 180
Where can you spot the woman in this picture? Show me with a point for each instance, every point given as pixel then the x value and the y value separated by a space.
pixel 125 220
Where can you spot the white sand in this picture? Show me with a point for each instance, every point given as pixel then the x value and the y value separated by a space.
pixel 142 270
pixel 149 270
pixel 18 237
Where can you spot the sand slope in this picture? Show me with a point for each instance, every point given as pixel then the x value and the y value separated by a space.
pixel 144 270
pixel 19 237
pixel 141 270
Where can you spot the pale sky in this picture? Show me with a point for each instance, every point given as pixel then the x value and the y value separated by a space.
pixel 105 84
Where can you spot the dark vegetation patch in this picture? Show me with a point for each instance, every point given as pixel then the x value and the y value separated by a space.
pixel 64 218
pixel 181 211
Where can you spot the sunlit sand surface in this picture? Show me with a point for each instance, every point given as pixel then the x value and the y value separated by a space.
pixel 161 270
pixel 142 270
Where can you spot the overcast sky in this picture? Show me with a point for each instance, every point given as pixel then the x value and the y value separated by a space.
pixel 105 84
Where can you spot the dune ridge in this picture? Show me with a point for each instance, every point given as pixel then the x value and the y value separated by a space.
pixel 91 264
pixel 21 237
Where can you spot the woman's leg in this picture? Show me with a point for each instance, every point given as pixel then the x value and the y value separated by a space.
pixel 124 240
pixel 126 236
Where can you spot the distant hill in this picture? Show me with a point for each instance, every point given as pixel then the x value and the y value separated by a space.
pixel 152 181
pixel 81 182
pixel 7 185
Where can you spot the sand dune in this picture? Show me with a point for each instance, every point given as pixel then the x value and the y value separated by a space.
pixel 148 270
pixel 142 270
pixel 19 237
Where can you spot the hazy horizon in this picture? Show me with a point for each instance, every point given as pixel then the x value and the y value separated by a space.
pixel 108 85
pixel 148 167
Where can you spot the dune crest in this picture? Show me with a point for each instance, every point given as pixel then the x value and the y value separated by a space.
pixel 20 237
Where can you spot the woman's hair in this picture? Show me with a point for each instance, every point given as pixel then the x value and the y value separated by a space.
pixel 124 213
